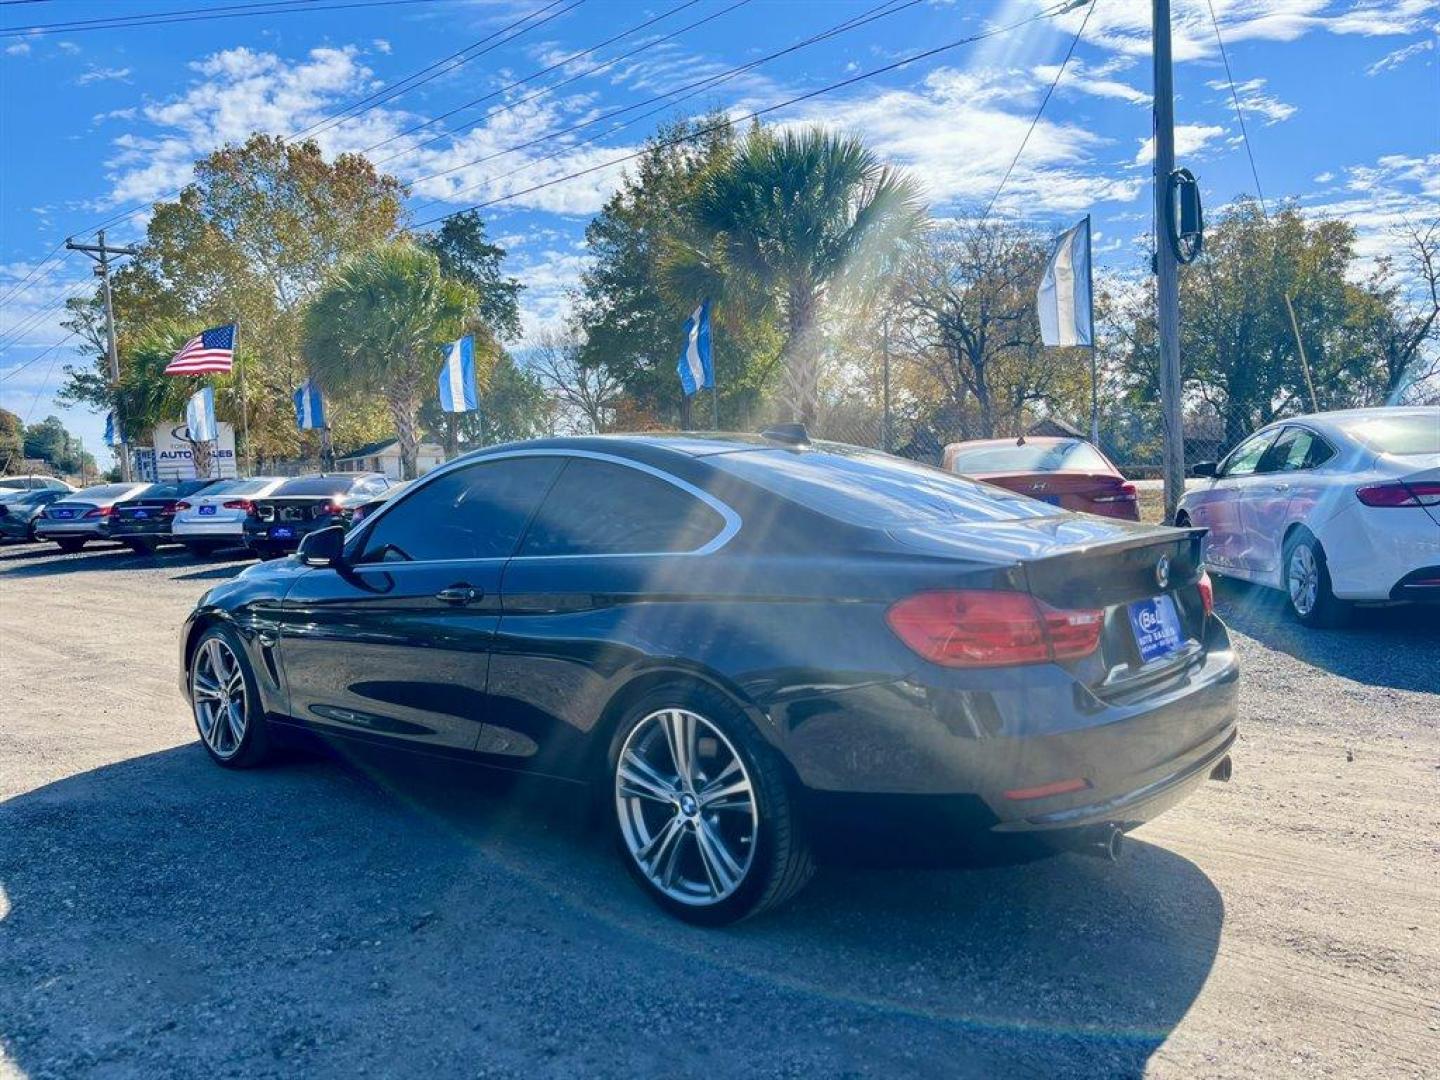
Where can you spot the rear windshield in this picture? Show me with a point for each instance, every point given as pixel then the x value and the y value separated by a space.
pixel 866 488
pixel 1072 454
pixel 16 498
pixel 110 491
pixel 1408 433
pixel 314 485
pixel 240 487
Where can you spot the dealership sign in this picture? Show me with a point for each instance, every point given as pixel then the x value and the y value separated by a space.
pixel 173 459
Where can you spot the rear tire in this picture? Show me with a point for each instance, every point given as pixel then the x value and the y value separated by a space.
pixel 1307 583
pixel 736 846
pixel 225 701
pixel 201 548
pixel 70 546
pixel 141 547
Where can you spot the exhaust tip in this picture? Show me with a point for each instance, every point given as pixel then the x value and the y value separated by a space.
pixel 1222 769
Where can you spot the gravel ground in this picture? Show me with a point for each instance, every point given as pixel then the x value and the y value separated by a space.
pixel 162 917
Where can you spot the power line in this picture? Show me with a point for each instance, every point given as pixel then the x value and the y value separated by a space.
pixel 14 289
pixel 924 54
pixel 201 15
pixel 30 412
pixel 35 318
pixel 340 115
pixel 670 98
pixel 1239 112
pixel 41 356
pixel 528 78
pixel 1040 111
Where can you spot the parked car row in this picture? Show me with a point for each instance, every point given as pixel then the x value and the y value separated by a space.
pixel 267 514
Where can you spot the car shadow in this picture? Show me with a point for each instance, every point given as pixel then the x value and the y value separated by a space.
pixel 45 560
pixel 1394 646
pixel 161 916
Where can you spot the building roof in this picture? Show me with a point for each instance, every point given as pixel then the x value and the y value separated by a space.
pixel 371 449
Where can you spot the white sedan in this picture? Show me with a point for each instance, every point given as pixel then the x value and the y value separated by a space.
pixel 215 518
pixel 1330 508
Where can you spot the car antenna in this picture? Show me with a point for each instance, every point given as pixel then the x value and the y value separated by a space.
pixel 793 434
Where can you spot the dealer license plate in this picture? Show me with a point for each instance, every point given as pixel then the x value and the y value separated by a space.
pixel 207 511
pixel 1157 627
pixel 282 532
pixel 63 513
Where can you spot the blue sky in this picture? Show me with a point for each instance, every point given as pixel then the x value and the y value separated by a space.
pixel 1341 98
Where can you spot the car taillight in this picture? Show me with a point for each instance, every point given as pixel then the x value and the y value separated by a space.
pixel 181 505
pixel 1207 592
pixel 987 628
pixel 332 508
pixel 1125 493
pixel 1399 493
pixel 100 511
pixel 240 504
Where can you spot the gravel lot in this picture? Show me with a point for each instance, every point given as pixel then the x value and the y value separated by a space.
pixel 162 917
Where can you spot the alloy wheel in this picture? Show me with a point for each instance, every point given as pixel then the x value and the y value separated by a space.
pixel 1303 579
pixel 687 807
pixel 217 691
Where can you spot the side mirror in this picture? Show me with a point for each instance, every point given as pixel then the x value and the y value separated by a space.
pixel 1203 468
pixel 323 547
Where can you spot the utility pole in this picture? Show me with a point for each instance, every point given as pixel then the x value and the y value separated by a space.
pixel 1167 267
pixel 101 254
pixel 885 386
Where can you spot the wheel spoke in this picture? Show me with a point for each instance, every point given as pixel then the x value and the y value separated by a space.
pixel 235 722
pixel 640 781
pixel 680 737
pixel 722 870
pixel 651 854
pixel 204 687
pixel 732 796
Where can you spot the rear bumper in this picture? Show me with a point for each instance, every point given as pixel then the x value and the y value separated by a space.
pixel 1369 550
pixel 991 743
pixel 257 535
pixel 1419 587
pixel 231 530
pixel 15 528
pixel 55 529
pixel 133 530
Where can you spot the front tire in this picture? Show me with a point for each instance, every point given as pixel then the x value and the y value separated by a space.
pixel 703 815
pixel 1307 584
pixel 225 701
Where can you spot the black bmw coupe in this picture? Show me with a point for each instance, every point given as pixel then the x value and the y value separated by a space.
pixel 747 645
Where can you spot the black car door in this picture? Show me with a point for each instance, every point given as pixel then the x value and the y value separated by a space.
pixel 393 645
pixel 610 560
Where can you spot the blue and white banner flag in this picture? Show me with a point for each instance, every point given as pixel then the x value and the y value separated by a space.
pixel 200 416
pixel 457 377
pixel 1063 300
pixel 112 434
pixel 309 406
pixel 695 367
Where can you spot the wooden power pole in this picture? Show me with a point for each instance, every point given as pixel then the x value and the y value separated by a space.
pixel 1167 266
pixel 101 253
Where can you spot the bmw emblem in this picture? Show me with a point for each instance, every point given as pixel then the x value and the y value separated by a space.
pixel 1162 572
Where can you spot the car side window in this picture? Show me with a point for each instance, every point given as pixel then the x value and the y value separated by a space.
pixel 1245 457
pixel 601 508
pixel 475 512
pixel 1296 449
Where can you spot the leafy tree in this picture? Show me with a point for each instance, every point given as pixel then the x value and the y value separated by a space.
pixel 51 442
pixel 467 255
pixel 376 329
pixel 250 240
pixel 633 313
pixel 794 218
pixel 12 441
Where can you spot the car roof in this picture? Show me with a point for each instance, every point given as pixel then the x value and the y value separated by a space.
pixel 1030 440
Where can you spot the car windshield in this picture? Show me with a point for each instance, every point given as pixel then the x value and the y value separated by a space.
pixel 19 498
pixel 315 485
pixel 240 487
pixel 1071 454
pixel 866 488
pixel 113 491
pixel 1405 433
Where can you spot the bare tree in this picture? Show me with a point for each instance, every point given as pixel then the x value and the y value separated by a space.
pixel 588 393
pixel 974 326
pixel 1407 325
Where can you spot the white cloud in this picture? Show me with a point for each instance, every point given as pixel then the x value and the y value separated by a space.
pixel 1379 198
pixel 20 48
pixel 1190 139
pixel 381 45
pixel 68 47
pixel 1250 94
pixel 1394 59
pixel 96 74
pixel 1095 81
pixel 958 131
pixel 1125 27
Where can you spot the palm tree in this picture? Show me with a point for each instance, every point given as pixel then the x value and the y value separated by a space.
pixel 376 327
pixel 789 220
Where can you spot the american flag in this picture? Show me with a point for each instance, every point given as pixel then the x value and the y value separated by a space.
pixel 208 353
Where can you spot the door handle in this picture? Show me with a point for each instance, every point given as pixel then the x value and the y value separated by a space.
pixel 458 594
